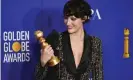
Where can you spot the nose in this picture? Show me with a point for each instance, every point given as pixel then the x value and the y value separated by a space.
pixel 68 22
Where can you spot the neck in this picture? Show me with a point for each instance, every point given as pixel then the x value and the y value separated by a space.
pixel 78 36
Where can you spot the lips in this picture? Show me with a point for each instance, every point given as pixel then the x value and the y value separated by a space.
pixel 69 27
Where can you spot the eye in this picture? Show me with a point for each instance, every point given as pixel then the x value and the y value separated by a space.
pixel 73 18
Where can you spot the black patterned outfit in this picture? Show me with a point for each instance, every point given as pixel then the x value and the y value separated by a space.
pixel 90 65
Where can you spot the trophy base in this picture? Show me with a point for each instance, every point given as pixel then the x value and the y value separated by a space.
pixel 53 61
pixel 126 55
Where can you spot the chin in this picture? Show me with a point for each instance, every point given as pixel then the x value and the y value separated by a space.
pixel 71 31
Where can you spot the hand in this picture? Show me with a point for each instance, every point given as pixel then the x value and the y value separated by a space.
pixel 46 54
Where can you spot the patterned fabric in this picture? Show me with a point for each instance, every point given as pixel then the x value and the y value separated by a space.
pixel 97 62
pixel 94 69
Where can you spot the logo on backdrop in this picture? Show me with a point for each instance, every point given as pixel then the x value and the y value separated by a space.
pixel 16 46
pixel 96 15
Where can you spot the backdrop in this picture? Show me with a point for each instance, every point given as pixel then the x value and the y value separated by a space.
pixel 20 50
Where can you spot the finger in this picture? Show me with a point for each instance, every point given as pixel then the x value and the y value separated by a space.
pixel 41 51
pixel 47 47
pixel 48 51
pixel 51 52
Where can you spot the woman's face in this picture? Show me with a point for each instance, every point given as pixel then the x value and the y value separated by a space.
pixel 73 24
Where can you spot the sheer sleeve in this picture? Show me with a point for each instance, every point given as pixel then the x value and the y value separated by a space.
pixel 41 72
pixel 97 60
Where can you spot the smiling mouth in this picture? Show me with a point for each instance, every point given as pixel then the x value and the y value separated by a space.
pixel 69 27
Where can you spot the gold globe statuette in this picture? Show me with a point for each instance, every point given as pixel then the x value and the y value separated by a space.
pixel 54 59
pixel 126 43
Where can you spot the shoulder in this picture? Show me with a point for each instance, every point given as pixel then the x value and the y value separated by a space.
pixel 96 39
pixel 52 37
pixel 53 34
pixel 96 46
pixel 96 42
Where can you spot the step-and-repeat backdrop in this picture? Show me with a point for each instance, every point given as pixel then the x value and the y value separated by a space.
pixel 20 18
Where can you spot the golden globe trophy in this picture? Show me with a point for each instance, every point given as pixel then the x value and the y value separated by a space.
pixel 126 43
pixel 54 59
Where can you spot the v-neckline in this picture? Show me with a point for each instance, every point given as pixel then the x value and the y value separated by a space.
pixel 72 53
pixel 68 56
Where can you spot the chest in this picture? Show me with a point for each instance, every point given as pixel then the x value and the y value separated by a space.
pixel 77 48
pixel 77 51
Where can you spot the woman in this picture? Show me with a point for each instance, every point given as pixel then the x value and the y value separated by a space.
pixel 80 54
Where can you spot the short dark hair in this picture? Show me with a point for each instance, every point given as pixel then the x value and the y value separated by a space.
pixel 78 8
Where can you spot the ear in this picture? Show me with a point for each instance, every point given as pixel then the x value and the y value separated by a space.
pixel 85 18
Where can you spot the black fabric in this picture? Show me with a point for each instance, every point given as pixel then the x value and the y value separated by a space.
pixel 91 60
pixel 68 54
